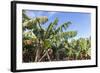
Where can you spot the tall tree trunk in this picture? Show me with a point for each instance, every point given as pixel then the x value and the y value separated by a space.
pixel 45 54
pixel 42 57
pixel 48 56
pixel 37 55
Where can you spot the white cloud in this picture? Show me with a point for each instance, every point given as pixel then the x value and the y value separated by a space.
pixel 33 14
pixel 51 14
pixel 30 13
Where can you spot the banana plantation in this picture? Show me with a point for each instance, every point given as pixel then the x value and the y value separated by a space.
pixel 53 43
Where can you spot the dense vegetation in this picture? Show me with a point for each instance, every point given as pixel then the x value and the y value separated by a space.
pixel 52 43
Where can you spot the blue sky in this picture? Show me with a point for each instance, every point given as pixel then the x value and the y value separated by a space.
pixel 81 22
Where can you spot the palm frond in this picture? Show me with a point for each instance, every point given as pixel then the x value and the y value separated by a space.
pixel 69 34
pixel 51 27
pixel 24 16
pixel 64 25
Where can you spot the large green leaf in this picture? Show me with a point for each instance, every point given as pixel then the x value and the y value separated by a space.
pixel 64 25
pixel 47 43
pixel 51 27
pixel 24 16
pixel 29 24
pixel 69 34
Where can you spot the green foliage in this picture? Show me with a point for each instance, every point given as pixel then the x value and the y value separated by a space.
pixel 35 22
pixel 69 34
pixel 64 25
pixel 24 16
pixel 52 43
pixel 47 43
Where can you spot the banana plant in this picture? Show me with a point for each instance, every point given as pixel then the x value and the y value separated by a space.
pixel 52 37
pixel 57 36
pixel 82 48
pixel 34 25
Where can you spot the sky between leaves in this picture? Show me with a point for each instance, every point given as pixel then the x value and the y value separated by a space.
pixel 81 22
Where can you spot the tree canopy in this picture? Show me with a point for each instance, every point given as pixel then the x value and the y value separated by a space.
pixel 51 44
